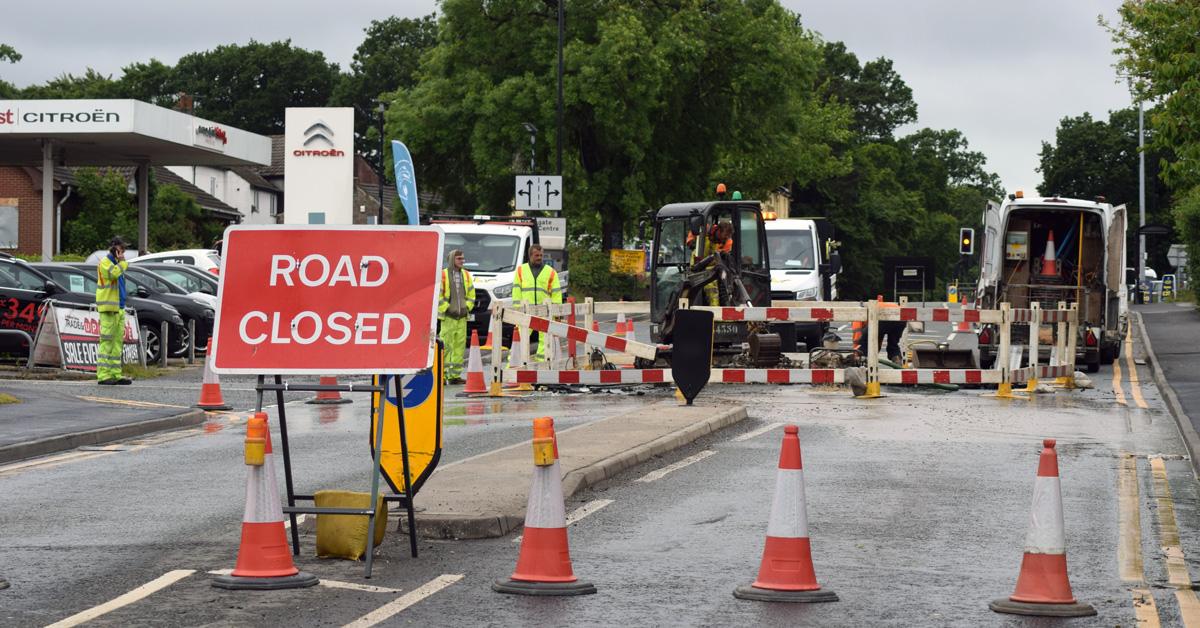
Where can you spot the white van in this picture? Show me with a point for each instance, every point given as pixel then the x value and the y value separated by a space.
pixel 804 267
pixel 1088 268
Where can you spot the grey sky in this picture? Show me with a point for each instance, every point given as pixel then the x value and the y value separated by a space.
pixel 1004 73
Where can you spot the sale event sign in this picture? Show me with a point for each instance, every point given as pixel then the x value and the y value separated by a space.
pixel 328 300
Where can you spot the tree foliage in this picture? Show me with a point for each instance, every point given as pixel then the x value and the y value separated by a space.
pixel 10 55
pixel 880 99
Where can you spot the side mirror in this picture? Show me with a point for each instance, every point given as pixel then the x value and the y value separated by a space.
pixel 52 288
pixel 142 292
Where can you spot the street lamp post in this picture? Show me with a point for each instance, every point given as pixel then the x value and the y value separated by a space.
pixel 532 130
pixel 381 108
pixel 559 136
pixel 1141 199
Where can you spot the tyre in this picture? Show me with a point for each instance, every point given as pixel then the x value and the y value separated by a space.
pixel 1094 367
pixel 153 344
pixel 180 343
pixel 1108 354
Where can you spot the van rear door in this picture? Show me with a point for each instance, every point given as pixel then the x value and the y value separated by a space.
pixel 1114 267
pixel 991 252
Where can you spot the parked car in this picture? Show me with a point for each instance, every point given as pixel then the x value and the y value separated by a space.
pixel 208 260
pixel 196 282
pixel 151 314
pixel 143 283
pixel 23 291
pixel 96 256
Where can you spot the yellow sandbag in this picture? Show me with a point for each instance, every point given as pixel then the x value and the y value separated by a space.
pixel 345 536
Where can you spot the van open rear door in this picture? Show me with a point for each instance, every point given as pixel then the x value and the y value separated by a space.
pixel 1114 267
pixel 992 251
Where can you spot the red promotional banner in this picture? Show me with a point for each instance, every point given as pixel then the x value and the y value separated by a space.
pixel 328 300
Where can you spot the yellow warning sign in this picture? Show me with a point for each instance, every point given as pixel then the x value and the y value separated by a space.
pixel 627 262
pixel 421 395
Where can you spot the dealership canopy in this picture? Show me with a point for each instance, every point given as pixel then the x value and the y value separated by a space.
pixel 49 133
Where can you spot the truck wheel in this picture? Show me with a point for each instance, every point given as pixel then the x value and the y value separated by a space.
pixel 1108 354
pixel 1094 367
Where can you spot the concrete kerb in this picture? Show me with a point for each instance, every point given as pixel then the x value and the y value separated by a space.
pixel 1191 439
pixel 63 442
pixel 504 518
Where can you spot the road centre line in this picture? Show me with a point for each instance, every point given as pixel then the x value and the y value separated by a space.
pixel 1129 548
pixel 1144 609
pixel 157 584
pixel 1189 608
pixel 1168 530
pixel 64 458
pixel 1135 386
pixel 660 473
pixel 390 609
pixel 760 431
pixel 579 513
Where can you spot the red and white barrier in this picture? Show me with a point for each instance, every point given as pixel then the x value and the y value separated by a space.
pixel 580 334
pixel 786 314
pixel 940 376
pixel 589 378
pixel 777 376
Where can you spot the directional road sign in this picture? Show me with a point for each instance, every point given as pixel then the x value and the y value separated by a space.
pixel 422 393
pixel 534 192
pixel 1177 255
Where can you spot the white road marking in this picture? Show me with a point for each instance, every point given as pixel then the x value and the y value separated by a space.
pixel 390 609
pixel 759 432
pixel 333 584
pixel 72 456
pixel 128 402
pixel 157 584
pixel 658 474
pixel 579 513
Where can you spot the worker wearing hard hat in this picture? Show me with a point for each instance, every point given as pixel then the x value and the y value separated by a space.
pixel 458 299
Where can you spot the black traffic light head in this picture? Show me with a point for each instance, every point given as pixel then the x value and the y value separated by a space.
pixel 966 241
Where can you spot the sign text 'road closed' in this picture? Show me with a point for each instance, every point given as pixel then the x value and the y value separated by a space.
pixel 327 300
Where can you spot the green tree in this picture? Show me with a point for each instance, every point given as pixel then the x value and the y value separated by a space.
pixel 880 99
pixel 661 99
pixel 10 55
pixel 386 60
pixel 153 82
pixel 250 86
pixel 107 209
pixel 91 84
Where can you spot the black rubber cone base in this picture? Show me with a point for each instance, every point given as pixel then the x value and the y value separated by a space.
pixel 297 581
pixel 3 583
pixel 219 408
pixel 1078 609
pixel 521 587
pixel 329 402
pixel 748 592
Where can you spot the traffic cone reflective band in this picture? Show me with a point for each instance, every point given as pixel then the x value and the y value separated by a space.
pixel 329 397
pixel 1050 260
pixel 544 564
pixel 264 560
pixel 620 331
pixel 475 368
pixel 786 573
pixel 210 390
pixel 1042 586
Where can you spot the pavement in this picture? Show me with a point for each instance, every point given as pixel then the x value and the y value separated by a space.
pixel 1173 347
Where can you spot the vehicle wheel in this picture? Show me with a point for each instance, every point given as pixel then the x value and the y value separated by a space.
pixel 153 344
pixel 182 341
pixel 1094 367
pixel 1108 355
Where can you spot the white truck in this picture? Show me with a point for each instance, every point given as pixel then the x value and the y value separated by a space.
pixel 494 246
pixel 1086 268
pixel 804 267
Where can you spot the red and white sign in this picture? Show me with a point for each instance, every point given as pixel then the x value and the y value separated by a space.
pixel 328 300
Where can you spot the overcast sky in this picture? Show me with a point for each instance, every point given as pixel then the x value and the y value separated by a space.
pixel 1004 73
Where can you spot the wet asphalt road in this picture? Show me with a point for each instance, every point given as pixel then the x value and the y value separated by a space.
pixel 917 505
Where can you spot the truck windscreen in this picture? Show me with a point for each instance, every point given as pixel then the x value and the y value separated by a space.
pixel 791 249
pixel 488 253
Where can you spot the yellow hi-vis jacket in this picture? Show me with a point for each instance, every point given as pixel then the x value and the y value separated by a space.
pixel 108 292
pixel 469 289
pixel 531 290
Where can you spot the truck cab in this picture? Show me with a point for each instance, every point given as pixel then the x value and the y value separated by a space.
pixel 804 266
pixel 1049 250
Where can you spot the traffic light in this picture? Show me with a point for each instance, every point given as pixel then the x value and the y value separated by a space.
pixel 966 241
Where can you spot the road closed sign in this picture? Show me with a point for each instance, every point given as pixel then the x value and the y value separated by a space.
pixel 327 300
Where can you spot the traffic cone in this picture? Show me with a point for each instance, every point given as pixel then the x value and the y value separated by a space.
pixel 544 564
pixel 786 573
pixel 487 346
pixel 264 561
pixel 964 325
pixel 1050 260
pixel 210 390
pixel 620 331
pixel 475 368
pixel 596 325
pixel 1042 586
pixel 516 360
pixel 329 397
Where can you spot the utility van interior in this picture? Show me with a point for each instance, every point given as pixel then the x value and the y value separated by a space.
pixel 1054 256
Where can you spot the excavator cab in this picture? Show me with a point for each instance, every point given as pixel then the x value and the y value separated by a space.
pixel 710 253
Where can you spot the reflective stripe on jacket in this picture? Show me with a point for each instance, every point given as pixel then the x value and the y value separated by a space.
pixel 468 288
pixel 531 290
pixel 108 289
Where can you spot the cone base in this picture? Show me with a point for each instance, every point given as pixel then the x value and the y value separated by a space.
pixel 749 592
pixel 329 402
pixel 522 587
pixel 213 407
pixel 1078 609
pixel 3 584
pixel 237 583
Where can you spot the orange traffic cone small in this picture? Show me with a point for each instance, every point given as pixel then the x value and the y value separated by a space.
pixel 329 397
pixel 1043 587
pixel 475 368
pixel 264 561
pixel 544 564
pixel 210 390
pixel 487 346
pixel 595 325
pixel 1050 260
pixel 964 325
pixel 786 573
pixel 620 331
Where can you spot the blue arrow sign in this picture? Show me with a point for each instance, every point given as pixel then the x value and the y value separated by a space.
pixel 415 388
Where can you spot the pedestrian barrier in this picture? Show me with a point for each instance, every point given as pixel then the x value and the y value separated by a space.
pixel 1043 587
pixel 329 397
pixel 786 573
pixel 544 563
pixel 210 391
pixel 263 559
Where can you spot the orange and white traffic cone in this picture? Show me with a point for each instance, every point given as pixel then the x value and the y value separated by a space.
pixel 786 573
pixel 1043 587
pixel 487 345
pixel 329 397
pixel 210 390
pixel 475 382
pixel 620 331
pixel 544 564
pixel 1050 259
pixel 517 359
pixel 964 325
pixel 264 560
